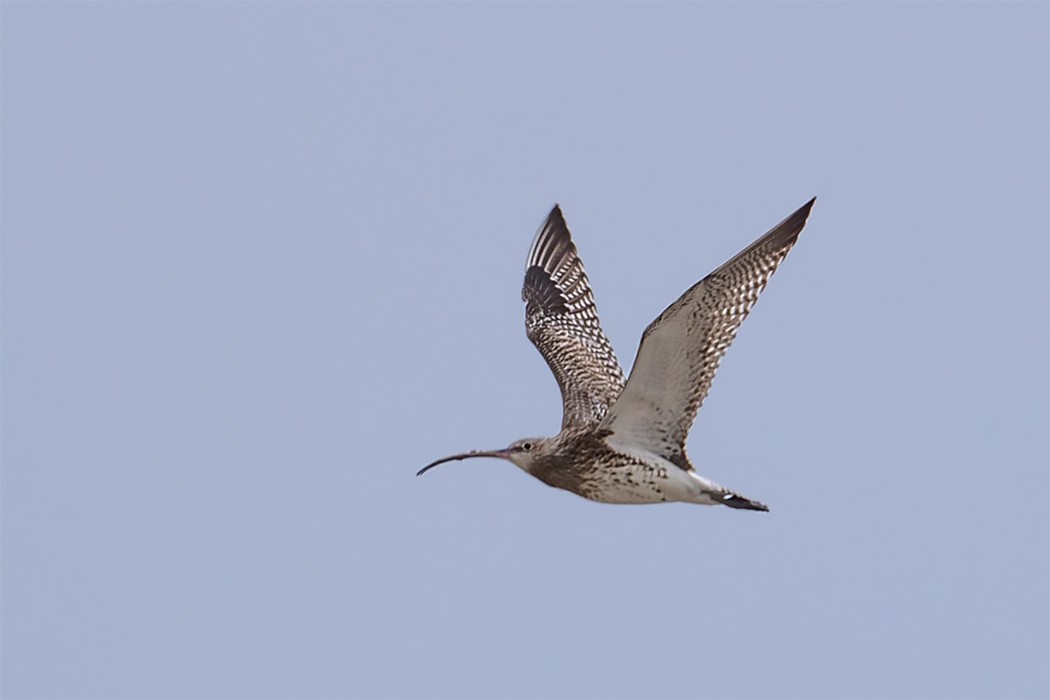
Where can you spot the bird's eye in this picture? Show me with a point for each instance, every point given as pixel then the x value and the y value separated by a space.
pixel 526 446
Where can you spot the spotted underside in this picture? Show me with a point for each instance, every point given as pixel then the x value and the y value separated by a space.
pixel 583 463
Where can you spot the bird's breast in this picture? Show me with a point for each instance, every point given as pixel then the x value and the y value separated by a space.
pixel 600 473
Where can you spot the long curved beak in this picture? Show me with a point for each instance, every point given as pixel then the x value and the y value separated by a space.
pixel 500 454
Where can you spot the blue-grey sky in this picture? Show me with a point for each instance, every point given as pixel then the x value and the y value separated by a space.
pixel 262 261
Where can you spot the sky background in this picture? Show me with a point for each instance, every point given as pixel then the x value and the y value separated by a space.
pixel 262 261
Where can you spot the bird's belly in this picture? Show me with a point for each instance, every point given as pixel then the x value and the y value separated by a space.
pixel 641 483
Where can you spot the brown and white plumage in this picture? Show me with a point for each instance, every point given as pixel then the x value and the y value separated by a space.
pixel 624 442
pixel 681 349
pixel 562 322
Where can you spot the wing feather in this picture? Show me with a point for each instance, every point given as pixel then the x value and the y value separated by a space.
pixel 680 351
pixel 561 320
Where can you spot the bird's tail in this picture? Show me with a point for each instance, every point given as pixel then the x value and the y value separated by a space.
pixel 735 500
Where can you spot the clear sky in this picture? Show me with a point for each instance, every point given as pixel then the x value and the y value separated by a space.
pixel 262 261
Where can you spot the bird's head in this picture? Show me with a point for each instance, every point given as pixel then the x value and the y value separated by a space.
pixel 524 453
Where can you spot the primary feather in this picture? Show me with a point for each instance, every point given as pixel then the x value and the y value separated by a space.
pixel 681 349
pixel 562 322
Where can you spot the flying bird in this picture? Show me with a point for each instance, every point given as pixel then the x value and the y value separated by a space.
pixel 623 440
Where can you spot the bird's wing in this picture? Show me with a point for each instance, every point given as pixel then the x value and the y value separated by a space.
pixel 562 322
pixel 681 349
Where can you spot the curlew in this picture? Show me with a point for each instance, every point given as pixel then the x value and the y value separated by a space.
pixel 623 440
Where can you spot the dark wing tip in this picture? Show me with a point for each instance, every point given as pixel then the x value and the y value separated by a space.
pixel 807 207
pixel 781 237
pixel 552 243
pixel 791 227
pixel 555 219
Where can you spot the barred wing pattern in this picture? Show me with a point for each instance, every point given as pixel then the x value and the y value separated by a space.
pixel 562 322
pixel 680 350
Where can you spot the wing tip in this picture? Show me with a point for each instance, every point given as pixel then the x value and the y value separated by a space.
pixel 551 241
pixel 790 228
pixel 554 217
pixel 804 210
pixel 808 206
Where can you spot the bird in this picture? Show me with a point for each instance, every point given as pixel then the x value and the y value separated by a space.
pixel 622 440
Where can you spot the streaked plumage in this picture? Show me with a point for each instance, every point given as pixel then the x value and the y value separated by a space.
pixel 624 442
pixel 562 322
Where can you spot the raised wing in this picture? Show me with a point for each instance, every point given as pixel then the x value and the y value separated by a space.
pixel 562 322
pixel 681 349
